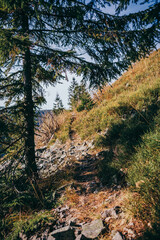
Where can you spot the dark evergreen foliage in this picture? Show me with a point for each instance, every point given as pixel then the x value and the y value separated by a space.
pixel 79 97
pixel 72 97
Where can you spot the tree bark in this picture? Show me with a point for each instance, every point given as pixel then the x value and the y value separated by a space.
pixel 30 163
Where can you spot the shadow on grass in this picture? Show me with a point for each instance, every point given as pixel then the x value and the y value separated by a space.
pixel 151 234
pixel 121 140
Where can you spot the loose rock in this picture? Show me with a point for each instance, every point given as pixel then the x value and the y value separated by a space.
pixel 93 230
pixel 109 213
pixel 117 236
pixel 65 233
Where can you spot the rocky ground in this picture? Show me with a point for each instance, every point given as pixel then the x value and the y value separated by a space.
pixel 89 210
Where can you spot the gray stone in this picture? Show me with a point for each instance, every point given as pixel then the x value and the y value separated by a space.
pixel 130 233
pixel 63 209
pixel 83 154
pixel 63 156
pixel 113 232
pixel 45 172
pixel 82 148
pixel 40 166
pixel 107 219
pixel 79 237
pixel 46 154
pixel 90 145
pixel 22 236
pixel 65 233
pixel 109 213
pixel 55 145
pixel 23 166
pixel 117 236
pixel 50 238
pixel 92 230
pixel 110 198
pixel 131 224
pixel 33 237
pixel 44 235
pixel 96 191
pixel 71 148
pixel 78 231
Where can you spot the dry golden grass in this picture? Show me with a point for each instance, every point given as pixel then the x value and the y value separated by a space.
pixel 89 207
pixel 141 72
pixel 134 91
pixel 85 207
pixel 49 127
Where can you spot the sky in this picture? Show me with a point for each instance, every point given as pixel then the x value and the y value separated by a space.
pixel 62 89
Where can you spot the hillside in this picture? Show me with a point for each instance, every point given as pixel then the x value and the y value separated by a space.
pixel 99 169
pixel 125 122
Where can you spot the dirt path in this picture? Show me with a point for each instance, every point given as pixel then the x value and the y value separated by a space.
pixel 71 130
pixel 86 175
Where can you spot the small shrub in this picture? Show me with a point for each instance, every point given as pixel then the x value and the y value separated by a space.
pixel 33 224
pixel 53 127
pixel 64 132
pixel 48 126
pixel 16 196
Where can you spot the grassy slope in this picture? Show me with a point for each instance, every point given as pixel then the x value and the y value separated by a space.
pixel 134 91
pixel 129 110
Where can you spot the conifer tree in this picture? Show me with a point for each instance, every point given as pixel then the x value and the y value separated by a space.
pixel 40 40
pixel 85 101
pixel 72 94
pixel 58 105
pixel 79 97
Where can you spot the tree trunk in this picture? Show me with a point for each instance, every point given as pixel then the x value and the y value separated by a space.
pixel 31 167
pixel 30 163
